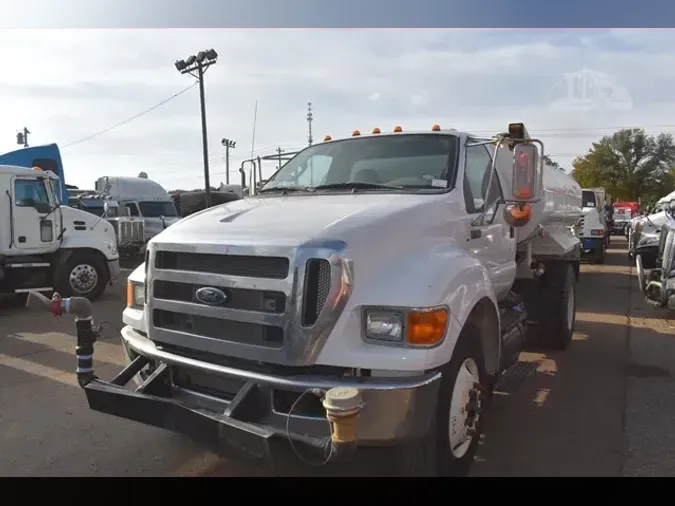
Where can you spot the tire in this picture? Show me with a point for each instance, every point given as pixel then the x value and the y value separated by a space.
pixel 86 264
pixel 558 306
pixel 432 455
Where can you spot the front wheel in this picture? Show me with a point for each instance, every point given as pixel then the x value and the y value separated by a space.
pixel 558 303
pixel 82 275
pixel 450 446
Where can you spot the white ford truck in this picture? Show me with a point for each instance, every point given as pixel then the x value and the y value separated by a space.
pixel 376 306
pixel 45 246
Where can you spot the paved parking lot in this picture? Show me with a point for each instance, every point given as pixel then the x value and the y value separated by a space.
pixel 603 408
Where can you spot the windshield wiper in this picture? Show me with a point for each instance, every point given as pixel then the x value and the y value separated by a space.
pixel 360 185
pixel 286 189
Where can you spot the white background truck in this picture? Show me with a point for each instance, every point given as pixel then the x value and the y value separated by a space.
pixel 593 230
pixel 645 233
pixel 374 308
pixel 45 246
pixel 141 198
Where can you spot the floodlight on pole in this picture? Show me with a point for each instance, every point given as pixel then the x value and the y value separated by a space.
pixel 228 144
pixel 196 65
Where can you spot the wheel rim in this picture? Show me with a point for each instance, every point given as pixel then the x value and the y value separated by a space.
pixel 83 278
pixel 570 309
pixel 465 408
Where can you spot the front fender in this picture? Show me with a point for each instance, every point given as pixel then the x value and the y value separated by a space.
pixel 98 242
pixel 438 275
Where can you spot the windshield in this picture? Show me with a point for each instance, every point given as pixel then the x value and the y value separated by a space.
pixel 587 199
pixel 154 209
pixel 93 207
pixel 389 162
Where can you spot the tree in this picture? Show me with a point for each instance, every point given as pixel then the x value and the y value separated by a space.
pixel 629 164
pixel 548 161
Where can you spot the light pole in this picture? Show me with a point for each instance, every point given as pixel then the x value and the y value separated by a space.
pixel 199 63
pixel 22 137
pixel 229 144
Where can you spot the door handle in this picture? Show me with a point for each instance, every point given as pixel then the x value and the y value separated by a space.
pixel 475 233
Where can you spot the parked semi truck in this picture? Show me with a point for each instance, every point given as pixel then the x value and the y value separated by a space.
pixel 45 246
pixel 141 198
pixel 645 232
pixel 657 280
pixel 373 304
pixel 593 229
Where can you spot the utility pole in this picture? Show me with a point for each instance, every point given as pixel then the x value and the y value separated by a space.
pixel 205 143
pixel 22 137
pixel 199 63
pixel 279 151
pixel 310 118
pixel 228 143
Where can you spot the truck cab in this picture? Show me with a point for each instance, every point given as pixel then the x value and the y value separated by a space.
pixel 47 158
pixel 645 234
pixel 593 230
pixel 378 282
pixel 141 198
pixel 45 246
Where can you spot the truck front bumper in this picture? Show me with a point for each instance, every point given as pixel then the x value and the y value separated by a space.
pixel 244 413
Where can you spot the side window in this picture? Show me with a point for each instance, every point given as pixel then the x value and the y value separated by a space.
pixel 476 179
pixel 131 209
pixel 315 173
pixel 30 192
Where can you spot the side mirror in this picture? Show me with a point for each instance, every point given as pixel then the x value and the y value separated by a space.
pixel 525 179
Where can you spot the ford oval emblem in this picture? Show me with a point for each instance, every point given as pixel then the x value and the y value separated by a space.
pixel 211 296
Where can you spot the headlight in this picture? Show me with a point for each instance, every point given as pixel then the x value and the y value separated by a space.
pixel 419 327
pixel 384 325
pixel 647 240
pixel 135 294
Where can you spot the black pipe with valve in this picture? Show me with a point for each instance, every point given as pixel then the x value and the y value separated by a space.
pixel 87 332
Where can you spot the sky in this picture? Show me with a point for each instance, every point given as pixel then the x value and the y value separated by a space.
pixel 570 87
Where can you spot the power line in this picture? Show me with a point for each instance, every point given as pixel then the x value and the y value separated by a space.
pixel 100 132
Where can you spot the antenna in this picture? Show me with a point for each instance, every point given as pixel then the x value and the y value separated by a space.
pixel 255 119
pixel 310 118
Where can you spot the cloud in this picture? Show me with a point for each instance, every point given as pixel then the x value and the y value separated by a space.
pixel 67 84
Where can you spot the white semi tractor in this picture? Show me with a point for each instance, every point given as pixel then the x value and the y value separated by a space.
pixel 374 304
pixel 45 246
pixel 644 236
pixel 141 198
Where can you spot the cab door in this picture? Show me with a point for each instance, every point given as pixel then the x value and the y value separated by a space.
pixel 489 238
pixel 33 222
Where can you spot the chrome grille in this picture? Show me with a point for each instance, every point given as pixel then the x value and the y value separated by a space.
pixel 128 231
pixel 232 265
pixel 251 334
pixel 317 288
pixel 269 291
pixel 238 298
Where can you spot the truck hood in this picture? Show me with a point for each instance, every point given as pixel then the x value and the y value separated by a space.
pixel 93 223
pixel 654 223
pixel 293 220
